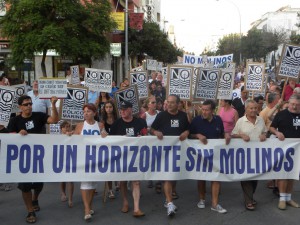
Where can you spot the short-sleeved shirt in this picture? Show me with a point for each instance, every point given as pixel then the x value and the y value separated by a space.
pixel 213 129
pixel 243 125
pixel 39 105
pixel 287 123
pixel 133 128
pixel 33 124
pixel 171 125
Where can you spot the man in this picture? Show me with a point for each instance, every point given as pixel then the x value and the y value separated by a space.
pixel 289 89
pixel 273 100
pixel 132 127
pixel 31 122
pixel 286 124
pixel 39 105
pixel 209 126
pixel 171 122
pixel 250 127
pixel 239 103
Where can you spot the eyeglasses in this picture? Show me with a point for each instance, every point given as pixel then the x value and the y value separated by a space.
pixel 27 104
pixel 153 102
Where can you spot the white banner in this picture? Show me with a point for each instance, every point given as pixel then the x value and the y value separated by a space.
pixel 53 158
pixel 52 87
pixel 214 60
pixel 98 80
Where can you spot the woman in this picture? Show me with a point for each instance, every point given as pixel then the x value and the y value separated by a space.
pixel 65 128
pixel 149 116
pixel 109 116
pixel 103 97
pixel 89 127
pixel 228 115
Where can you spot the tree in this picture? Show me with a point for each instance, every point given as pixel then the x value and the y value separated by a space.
pixel 73 28
pixel 295 38
pixel 258 43
pixel 230 44
pixel 152 41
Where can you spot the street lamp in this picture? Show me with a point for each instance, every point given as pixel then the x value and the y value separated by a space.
pixel 238 9
pixel 126 39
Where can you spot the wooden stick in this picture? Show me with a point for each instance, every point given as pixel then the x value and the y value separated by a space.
pixel 105 192
pixel 283 89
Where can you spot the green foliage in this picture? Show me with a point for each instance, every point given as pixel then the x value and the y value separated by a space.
pixel 152 41
pixel 71 28
pixel 255 45
pixel 258 43
pixel 295 39
pixel 230 44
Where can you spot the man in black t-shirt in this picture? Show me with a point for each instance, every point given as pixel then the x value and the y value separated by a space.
pixel 132 127
pixel 25 123
pixel 171 122
pixel 239 103
pixel 286 124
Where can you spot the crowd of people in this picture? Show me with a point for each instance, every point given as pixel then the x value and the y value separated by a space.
pixel 276 115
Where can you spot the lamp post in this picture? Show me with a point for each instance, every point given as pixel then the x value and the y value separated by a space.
pixel 126 39
pixel 240 17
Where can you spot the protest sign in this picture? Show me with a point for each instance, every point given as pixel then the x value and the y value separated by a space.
pixel 206 84
pixel 129 94
pixel 140 79
pixel 140 68
pixel 75 75
pixel 214 60
pixel 290 62
pixel 98 80
pixel 49 87
pixel 21 89
pixel 159 66
pixel 230 65
pixel 226 83
pixel 254 76
pixel 7 100
pixel 71 108
pixel 56 158
pixel 180 81
pixel 164 73
pixel 151 64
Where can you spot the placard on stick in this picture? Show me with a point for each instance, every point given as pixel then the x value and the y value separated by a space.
pixel 290 62
pixel 49 87
pixel 7 94
pixel 180 81
pixel 129 94
pixel 71 106
pixel 254 76
pixel 98 79
pixel 20 89
pixel 207 84
pixel 75 72
pixel 140 79
pixel 226 83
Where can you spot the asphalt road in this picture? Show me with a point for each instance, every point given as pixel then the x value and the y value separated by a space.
pixel 53 211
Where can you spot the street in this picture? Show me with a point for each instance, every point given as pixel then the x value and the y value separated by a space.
pixel 53 211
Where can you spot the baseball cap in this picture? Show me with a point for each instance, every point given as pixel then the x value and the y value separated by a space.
pixel 125 105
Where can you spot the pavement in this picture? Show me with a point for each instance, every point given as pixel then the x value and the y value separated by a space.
pixel 53 211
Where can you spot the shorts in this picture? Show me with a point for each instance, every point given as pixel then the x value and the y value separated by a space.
pixel 26 187
pixel 88 185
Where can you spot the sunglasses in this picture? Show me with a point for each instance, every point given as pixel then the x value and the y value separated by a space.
pixel 27 104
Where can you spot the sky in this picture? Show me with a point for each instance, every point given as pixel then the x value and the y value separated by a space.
pixel 198 23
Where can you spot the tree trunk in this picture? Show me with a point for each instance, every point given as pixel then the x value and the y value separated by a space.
pixel 43 66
